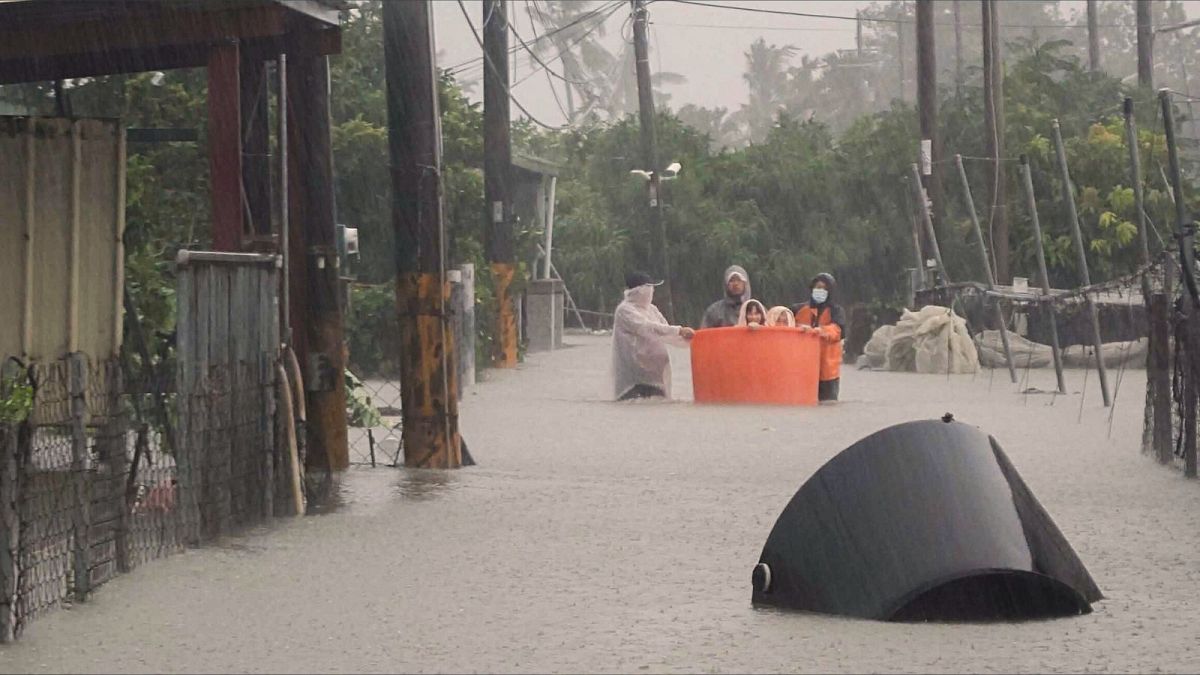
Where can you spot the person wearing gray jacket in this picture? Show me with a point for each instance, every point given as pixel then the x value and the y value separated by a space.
pixel 724 312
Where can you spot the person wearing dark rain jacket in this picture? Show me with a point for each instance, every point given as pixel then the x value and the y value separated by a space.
pixel 821 314
pixel 724 312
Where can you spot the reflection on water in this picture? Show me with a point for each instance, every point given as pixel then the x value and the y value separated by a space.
pixel 360 487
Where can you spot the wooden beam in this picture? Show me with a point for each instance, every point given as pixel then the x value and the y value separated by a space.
pixel 225 147
pixel 256 160
pixel 136 31
pixel 83 64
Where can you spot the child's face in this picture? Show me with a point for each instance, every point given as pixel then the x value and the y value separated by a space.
pixel 781 320
pixel 754 314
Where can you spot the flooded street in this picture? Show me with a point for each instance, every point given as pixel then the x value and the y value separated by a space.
pixel 600 537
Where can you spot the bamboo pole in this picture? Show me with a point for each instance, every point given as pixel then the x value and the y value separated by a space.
pixel 1077 238
pixel 987 267
pixel 1047 305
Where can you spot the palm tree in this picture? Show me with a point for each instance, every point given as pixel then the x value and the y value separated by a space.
pixel 767 77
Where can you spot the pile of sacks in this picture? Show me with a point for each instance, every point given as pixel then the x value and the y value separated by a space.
pixel 927 341
pixel 1029 354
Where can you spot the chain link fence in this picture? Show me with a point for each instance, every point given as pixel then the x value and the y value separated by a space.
pixel 91 488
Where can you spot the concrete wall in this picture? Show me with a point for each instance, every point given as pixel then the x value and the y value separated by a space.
pixel 62 216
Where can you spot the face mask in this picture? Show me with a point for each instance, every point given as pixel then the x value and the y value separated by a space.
pixel 820 295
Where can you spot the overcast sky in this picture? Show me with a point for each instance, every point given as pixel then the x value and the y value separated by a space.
pixel 704 44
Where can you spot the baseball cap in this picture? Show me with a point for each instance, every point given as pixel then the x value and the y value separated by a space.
pixel 635 279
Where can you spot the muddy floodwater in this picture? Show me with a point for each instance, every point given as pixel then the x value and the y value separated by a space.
pixel 595 536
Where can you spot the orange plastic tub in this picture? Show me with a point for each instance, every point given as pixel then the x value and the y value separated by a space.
pixel 769 365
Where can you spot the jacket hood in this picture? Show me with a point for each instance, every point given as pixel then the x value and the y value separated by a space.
pixel 741 272
pixel 830 284
pixel 745 306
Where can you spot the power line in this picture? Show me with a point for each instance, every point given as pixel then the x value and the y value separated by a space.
pixel 495 71
pixel 512 50
pixel 730 26
pixel 811 15
pixel 549 71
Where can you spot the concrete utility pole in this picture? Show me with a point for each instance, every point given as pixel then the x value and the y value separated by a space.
pixel 928 109
pixel 650 157
pixel 1145 45
pixel 900 51
pixel 993 111
pixel 429 379
pixel 1093 31
pixel 313 277
pixel 858 33
pixel 497 177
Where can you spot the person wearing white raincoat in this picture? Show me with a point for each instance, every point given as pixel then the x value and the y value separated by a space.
pixel 641 366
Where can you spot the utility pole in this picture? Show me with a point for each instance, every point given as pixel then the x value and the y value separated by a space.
pixel 497 175
pixel 931 137
pixel 429 379
pixel 858 33
pixel 650 156
pixel 958 61
pixel 1093 30
pixel 1145 45
pixel 993 111
pixel 315 287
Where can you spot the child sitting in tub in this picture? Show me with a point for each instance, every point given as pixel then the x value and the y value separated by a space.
pixel 752 314
pixel 781 316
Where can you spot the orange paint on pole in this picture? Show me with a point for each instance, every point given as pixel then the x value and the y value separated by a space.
pixel 775 365
pixel 504 354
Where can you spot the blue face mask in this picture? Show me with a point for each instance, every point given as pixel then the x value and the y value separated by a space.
pixel 820 295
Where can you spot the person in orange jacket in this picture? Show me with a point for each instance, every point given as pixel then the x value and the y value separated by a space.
pixel 822 315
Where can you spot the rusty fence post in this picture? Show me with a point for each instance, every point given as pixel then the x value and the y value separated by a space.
pixel 78 382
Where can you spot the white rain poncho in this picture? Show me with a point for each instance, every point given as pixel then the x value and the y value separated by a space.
pixel 640 336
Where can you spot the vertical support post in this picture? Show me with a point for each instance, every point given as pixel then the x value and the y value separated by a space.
pixel 858 37
pixel 78 386
pixel 993 112
pixel 646 118
pixel 256 143
pixel 1159 372
pixel 927 105
pixel 923 208
pixel 1185 232
pixel 29 141
pixel 285 291
pixel 466 347
pixel 75 260
pixel 987 266
pixel 428 378
pixel 1093 33
pixel 549 211
pixel 497 177
pixel 1139 200
pixel 119 245
pixel 317 312
pixel 1046 303
pixel 1145 44
pixel 1081 253
pixel 225 146
pixel 10 527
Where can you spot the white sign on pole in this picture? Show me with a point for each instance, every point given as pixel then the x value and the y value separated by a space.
pixel 926 157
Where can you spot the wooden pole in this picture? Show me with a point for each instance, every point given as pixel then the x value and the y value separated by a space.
pixel 1191 298
pixel 927 106
pixel 225 146
pixel 1081 253
pixel 1093 33
pixel 429 378
pixel 646 118
pixel 987 266
pixel 497 178
pixel 993 110
pixel 316 307
pixel 1145 45
pixel 1046 303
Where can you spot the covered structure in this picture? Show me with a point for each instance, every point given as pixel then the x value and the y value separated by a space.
pixel 924 520
pixel 235 40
